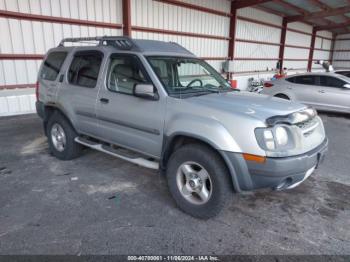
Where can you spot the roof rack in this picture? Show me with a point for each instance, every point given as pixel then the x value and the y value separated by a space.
pixel 119 42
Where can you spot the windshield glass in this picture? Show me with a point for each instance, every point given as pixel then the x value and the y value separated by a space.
pixel 186 76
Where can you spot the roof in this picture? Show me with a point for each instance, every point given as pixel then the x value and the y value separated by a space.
pixel 321 74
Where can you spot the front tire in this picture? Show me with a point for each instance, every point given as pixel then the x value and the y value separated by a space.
pixel 198 180
pixel 61 137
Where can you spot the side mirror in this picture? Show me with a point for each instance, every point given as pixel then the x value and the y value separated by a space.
pixel 145 91
pixel 346 86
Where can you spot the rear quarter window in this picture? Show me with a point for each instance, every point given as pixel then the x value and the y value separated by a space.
pixel 52 65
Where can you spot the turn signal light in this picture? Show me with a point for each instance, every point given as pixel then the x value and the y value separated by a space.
pixel 255 158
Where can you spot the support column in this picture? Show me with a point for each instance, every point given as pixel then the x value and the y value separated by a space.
pixel 334 36
pixel 282 43
pixel 232 41
pixel 312 47
pixel 126 18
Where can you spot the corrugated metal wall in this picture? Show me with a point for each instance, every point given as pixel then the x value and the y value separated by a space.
pixel 323 48
pixel 258 34
pixel 154 14
pixel 341 55
pixel 206 34
pixel 297 46
pixel 29 37
pixel 35 37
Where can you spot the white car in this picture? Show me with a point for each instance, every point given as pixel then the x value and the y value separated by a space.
pixel 323 91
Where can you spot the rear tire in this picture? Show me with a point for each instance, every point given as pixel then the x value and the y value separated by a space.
pixel 282 96
pixel 61 135
pixel 198 180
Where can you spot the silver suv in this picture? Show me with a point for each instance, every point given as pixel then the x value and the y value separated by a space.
pixel 157 105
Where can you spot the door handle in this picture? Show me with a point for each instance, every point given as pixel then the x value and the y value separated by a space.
pixel 104 100
pixel 321 91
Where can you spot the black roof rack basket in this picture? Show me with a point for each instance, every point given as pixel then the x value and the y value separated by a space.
pixel 119 42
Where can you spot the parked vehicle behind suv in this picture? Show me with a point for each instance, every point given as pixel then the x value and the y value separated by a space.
pixel 343 72
pixel 324 91
pixel 157 105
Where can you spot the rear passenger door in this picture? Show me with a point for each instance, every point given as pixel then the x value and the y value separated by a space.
pixel 48 77
pixel 78 92
pixel 125 119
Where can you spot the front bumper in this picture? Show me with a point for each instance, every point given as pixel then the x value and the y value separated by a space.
pixel 277 173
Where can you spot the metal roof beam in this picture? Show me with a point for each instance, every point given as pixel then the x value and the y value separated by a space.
pixel 246 3
pixel 333 26
pixel 325 7
pixel 320 14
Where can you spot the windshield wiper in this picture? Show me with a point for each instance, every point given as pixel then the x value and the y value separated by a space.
pixel 211 90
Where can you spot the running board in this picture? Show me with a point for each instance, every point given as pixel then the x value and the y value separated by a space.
pixel 108 150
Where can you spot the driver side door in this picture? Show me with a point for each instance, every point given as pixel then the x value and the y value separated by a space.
pixel 124 119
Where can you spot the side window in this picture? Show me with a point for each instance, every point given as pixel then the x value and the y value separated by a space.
pixel 331 81
pixel 84 68
pixel 291 79
pixel 52 65
pixel 125 71
pixel 305 80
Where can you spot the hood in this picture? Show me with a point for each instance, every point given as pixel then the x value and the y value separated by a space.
pixel 256 105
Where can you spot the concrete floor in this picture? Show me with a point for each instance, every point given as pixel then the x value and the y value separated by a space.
pixel 101 205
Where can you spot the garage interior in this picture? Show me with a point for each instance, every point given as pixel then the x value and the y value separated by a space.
pixel 101 205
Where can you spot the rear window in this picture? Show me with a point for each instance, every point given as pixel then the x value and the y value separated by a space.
pixel 52 65
pixel 85 68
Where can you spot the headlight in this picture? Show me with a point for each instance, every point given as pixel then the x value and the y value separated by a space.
pixel 281 136
pixel 275 139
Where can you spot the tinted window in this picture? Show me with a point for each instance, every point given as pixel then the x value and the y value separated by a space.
pixel 52 65
pixel 85 68
pixel 331 81
pixel 305 80
pixel 344 73
pixel 124 73
pixel 291 79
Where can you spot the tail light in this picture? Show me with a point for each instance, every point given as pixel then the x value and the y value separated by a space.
pixel 268 84
pixel 37 90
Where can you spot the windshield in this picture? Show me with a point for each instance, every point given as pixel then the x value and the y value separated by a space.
pixel 187 76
